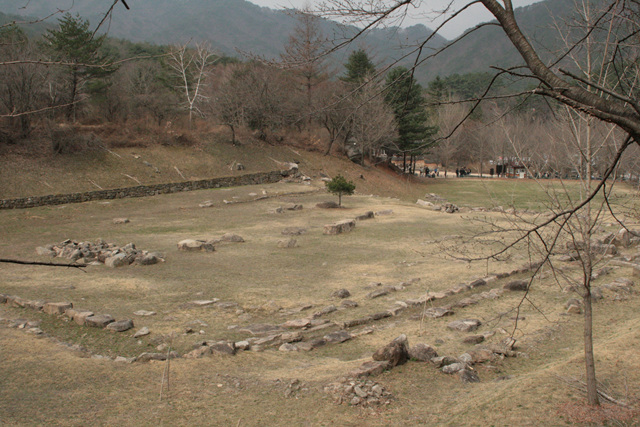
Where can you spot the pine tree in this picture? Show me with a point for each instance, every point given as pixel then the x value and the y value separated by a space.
pixel 359 67
pixel 339 186
pixel 404 95
pixel 73 44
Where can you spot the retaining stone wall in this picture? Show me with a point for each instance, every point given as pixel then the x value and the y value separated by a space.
pixel 145 190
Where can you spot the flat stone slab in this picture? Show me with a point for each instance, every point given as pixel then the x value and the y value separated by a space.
pixel 262 329
pixel 204 302
pixel 146 357
pixel 56 307
pixel 80 317
pixel 297 323
pixel 120 325
pixel 340 227
pixel 465 325
pixel 99 320
pixel 144 313
pixel 142 332
pixel 191 245
pixel 337 337
pixel 438 312
pixel 370 369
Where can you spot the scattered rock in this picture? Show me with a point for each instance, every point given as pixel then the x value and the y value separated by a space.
pixel 473 339
pixel 99 320
pixel 223 347
pixel 517 285
pixel 466 325
pixel 80 317
pixel 341 293
pixel 144 313
pixel 327 205
pixel 379 293
pixel 454 367
pixel 385 212
pixel 368 215
pixel 337 337
pixel 142 332
pixel 297 323
pixel 468 375
pixel 286 347
pixel 191 245
pixel 231 238
pixel 437 312
pixel 286 244
pixel 146 357
pixel 348 304
pixel 42 251
pixel 204 302
pixel 340 227
pixel 450 208
pixel 206 204
pixel 120 325
pixel 422 352
pixel 477 283
pixel 396 352
pixel 370 369
pixel 294 231
pixel 56 307
pixel 118 260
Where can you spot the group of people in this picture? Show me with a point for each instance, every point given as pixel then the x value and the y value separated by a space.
pixel 464 171
pixel 425 171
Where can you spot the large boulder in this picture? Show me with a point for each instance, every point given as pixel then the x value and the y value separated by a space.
pixel 56 307
pixel 192 245
pixel 422 352
pixel 396 352
pixel 340 227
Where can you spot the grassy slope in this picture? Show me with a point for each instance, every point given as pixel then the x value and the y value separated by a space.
pixel 249 388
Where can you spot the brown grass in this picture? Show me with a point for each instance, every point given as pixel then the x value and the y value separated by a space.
pixel 45 382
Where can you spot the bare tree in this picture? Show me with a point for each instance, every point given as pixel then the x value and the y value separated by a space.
pixel 21 85
pixel 303 55
pixel 191 67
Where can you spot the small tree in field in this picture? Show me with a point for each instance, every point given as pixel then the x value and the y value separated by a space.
pixel 339 185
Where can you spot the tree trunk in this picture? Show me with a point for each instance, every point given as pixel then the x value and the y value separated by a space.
pixel 590 364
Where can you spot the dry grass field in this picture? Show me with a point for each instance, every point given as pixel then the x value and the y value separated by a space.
pixel 68 376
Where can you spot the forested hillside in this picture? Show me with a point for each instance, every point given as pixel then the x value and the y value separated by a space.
pixel 236 26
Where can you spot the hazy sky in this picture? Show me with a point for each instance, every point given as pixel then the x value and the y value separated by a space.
pixel 423 15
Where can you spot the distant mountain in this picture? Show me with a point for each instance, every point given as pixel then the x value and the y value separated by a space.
pixel 489 46
pixel 231 26
pixel 234 26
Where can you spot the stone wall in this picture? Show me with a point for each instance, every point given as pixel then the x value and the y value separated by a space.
pixel 145 190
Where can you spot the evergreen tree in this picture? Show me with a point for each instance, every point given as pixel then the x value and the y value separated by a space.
pixel 339 186
pixel 404 95
pixel 359 67
pixel 73 44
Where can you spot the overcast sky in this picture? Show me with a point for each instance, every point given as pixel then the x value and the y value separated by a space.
pixel 423 15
